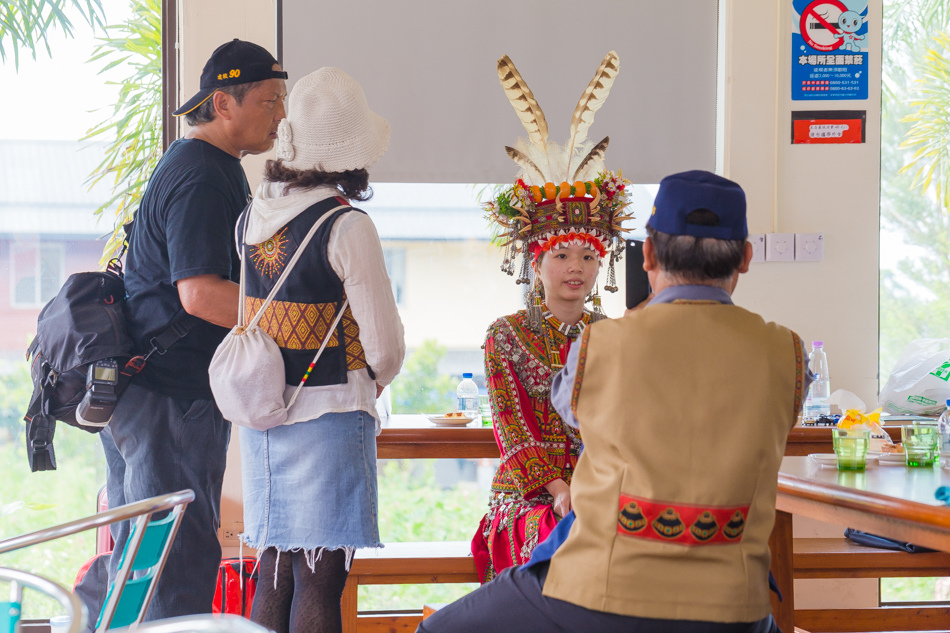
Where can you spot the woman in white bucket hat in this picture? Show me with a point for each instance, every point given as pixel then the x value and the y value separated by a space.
pixel 310 484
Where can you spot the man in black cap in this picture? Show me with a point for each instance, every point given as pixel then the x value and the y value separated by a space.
pixel 167 434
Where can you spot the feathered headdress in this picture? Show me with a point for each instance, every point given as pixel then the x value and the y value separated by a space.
pixel 535 213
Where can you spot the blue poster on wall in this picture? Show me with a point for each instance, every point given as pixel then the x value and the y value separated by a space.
pixel 829 50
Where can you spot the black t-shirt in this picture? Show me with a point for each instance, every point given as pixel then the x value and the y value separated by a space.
pixel 184 227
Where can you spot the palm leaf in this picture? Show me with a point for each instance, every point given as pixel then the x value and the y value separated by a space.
pixel 25 24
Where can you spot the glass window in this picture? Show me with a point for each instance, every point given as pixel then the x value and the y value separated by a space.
pixel 915 253
pixel 445 270
pixel 396 268
pixel 37 271
pixel 48 231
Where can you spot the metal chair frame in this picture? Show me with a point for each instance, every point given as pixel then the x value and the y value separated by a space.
pixel 70 601
pixel 204 623
pixel 142 512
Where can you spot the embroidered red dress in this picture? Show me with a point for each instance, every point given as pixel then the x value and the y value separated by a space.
pixel 535 446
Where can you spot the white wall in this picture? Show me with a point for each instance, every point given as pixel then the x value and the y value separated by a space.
pixel 829 189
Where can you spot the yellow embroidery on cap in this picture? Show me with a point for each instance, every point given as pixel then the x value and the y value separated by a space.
pixel 233 74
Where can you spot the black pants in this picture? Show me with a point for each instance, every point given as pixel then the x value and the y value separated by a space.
pixel 513 603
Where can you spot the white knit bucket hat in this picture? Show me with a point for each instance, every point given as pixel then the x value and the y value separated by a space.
pixel 329 125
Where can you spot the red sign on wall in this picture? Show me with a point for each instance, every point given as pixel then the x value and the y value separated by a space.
pixel 828 126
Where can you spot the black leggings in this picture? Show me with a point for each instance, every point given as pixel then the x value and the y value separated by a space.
pixel 303 601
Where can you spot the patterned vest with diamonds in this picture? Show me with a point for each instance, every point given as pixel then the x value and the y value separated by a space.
pixel 684 409
pixel 306 305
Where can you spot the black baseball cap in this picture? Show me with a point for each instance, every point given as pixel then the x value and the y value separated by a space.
pixel 682 193
pixel 237 62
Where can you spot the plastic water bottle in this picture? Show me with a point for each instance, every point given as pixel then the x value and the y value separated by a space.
pixel 943 424
pixel 816 402
pixel 467 393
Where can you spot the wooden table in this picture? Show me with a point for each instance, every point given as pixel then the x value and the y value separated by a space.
pixel 414 437
pixel 892 501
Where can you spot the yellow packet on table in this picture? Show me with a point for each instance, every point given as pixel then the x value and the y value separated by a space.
pixel 854 419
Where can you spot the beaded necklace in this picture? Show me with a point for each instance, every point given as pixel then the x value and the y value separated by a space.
pixel 555 361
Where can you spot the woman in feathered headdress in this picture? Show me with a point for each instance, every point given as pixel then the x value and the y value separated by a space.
pixel 563 233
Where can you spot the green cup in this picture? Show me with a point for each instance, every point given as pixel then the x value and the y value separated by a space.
pixel 484 409
pixel 851 447
pixel 920 444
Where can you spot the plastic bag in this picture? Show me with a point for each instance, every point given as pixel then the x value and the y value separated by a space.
pixel 919 385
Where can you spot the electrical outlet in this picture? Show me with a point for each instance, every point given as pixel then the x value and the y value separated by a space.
pixel 229 533
pixel 780 247
pixel 758 247
pixel 809 247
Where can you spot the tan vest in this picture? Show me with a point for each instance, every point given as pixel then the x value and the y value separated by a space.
pixel 684 410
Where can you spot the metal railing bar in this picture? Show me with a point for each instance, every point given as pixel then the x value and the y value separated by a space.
pixel 122 513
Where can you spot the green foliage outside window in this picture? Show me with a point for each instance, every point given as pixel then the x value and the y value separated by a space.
pixel 33 501
pixel 134 126
pixel 419 387
pixel 414 507
pixel 915 198
pixel 25 25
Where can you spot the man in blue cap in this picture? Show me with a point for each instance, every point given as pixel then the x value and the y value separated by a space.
pixel 684 406
pixel 166 433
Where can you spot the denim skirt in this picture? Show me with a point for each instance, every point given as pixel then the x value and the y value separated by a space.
pixel 311 485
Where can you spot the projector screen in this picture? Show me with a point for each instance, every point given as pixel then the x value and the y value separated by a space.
pixel 429 68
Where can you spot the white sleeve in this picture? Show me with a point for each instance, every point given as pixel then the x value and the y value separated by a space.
pixel 356 256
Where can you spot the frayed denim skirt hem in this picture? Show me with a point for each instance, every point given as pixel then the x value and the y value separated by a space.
pixel 311 485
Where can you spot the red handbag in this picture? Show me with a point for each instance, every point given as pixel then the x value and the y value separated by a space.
pixel 237 582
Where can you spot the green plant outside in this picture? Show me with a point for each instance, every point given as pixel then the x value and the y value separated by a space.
pixel 33 501
pixel 412 507
pixel 134 128
pixel 915 184
pixel 27 24
pixel 419 387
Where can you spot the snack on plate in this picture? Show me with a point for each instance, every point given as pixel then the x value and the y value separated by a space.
pixel 896 449
pixel 456 414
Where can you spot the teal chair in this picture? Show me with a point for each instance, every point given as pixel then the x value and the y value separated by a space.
pixel 142 559
pixel 10 610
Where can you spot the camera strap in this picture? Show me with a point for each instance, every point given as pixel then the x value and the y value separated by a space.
pixel 176 330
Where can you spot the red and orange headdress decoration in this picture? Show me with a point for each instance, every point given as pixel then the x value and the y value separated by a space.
pixel 535 214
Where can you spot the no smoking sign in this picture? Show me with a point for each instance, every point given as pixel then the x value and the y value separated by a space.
pixel 819 24
pixel 829 50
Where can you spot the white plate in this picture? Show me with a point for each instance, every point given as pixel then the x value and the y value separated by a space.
pixel 441 420
pixel 830 459
pixel 892 459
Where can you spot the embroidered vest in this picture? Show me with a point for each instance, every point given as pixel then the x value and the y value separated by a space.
pixel 306 305
pixel 684 410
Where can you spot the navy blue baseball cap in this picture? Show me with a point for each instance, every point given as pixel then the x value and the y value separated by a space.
pixel 680 194
pixel 236 62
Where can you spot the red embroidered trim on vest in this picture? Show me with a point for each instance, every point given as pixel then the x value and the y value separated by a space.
pixel 579 376
pixel 679 523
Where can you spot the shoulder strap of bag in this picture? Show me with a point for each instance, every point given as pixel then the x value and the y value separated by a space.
pixel 326 339
pixel 283 275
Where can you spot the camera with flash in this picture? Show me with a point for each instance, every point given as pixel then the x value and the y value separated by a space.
pixel 98 404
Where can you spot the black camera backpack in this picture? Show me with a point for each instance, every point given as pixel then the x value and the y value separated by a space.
pixel 82 324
